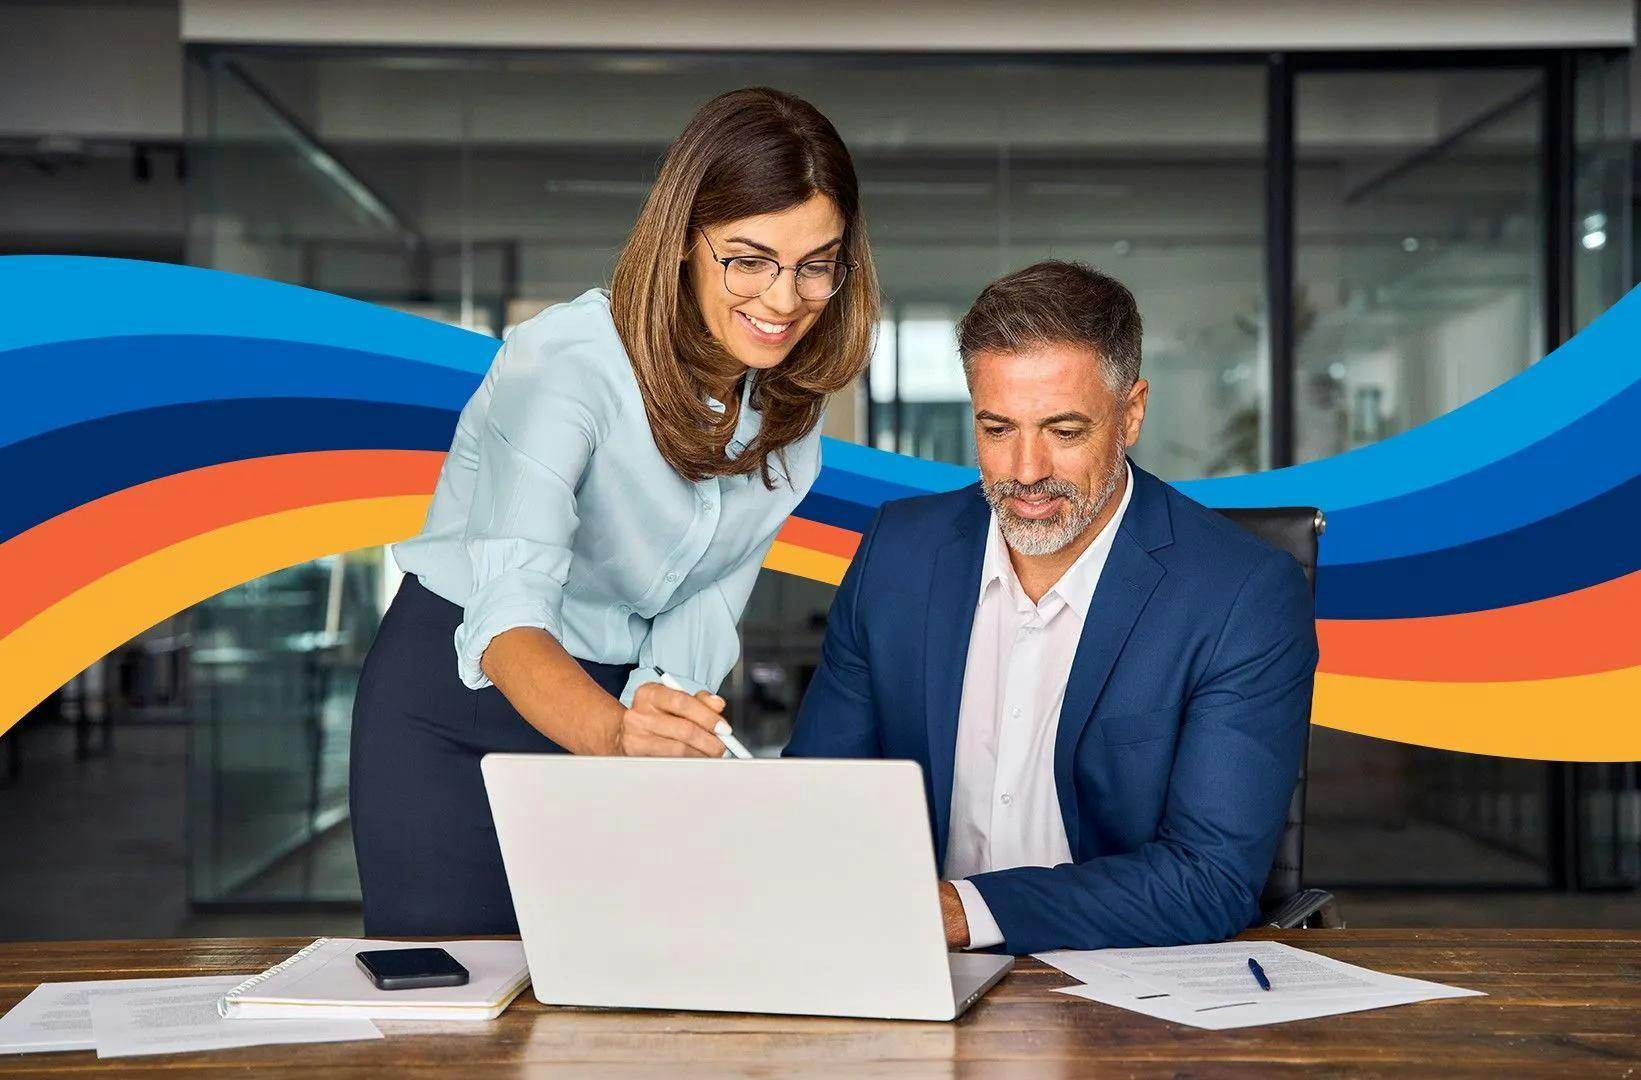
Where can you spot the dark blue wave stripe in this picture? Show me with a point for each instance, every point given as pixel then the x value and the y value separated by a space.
pixel 1593 542
pixel 71 382
pixel 71 466
pixel 1596 454
pixel 842 513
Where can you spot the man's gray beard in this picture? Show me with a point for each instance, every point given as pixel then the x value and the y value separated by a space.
pixel 1051 534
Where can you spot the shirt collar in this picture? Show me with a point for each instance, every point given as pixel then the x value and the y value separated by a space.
pixel 1076 586
pixel 747 423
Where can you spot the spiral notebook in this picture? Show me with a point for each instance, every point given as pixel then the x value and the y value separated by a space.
pixel 323 980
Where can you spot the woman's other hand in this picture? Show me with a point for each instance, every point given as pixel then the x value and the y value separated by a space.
pixel 670 723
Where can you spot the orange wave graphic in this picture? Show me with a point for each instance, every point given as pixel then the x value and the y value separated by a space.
pixel 1577 633
pixel 57 557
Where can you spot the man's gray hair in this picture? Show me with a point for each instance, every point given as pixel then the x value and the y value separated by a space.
pixel 1056 302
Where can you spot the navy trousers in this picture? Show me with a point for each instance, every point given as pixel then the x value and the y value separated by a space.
pixel 422 831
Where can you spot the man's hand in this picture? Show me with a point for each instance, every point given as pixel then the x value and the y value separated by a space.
pixel 951 914
pixel 664 722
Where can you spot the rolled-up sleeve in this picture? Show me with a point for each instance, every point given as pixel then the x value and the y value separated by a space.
pixel 546 416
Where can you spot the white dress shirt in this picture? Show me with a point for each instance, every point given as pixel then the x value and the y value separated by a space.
pixel 1005 810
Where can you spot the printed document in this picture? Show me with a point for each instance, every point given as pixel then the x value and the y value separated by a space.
pixel 150 1016
pixel 57 1016
pixel 1211 986
pixel 166 1020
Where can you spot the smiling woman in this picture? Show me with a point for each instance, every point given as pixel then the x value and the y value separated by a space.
pixel 611 493
pixel 758 178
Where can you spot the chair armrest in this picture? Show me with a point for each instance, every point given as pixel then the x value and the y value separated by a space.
pixel 1306 908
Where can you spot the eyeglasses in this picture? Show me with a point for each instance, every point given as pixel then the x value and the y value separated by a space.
pixel 748 276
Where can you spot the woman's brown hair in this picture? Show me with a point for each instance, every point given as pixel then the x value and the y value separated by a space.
pixel 745 153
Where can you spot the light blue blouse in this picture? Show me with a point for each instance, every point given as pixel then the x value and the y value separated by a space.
pixel 555 509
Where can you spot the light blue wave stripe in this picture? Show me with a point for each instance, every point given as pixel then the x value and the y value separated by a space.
pixel 1598 363
pixel 134 297
pixel 70 297
pixel 875 464
pixel 1579 463
pixel 60 386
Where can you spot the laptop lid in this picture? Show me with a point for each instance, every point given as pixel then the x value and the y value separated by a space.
pixel 799 886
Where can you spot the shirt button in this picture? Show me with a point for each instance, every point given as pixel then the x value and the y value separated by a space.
pixel 625 609
pixel 672 575
pixel 1015 712
pixel 1008 799
pixel 706 503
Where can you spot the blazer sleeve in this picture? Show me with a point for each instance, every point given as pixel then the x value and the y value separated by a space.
pixel 1235 767
pixel 838 718
pixel 550 407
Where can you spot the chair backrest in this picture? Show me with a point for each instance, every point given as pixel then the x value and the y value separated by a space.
pixel 1293 529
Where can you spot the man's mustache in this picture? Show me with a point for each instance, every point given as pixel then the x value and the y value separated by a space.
pixel 1048 486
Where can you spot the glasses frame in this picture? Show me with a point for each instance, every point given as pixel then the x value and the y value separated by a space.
pixel 846 267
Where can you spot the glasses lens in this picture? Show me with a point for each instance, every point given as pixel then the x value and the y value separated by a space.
pixel 750 276
pixel 819 280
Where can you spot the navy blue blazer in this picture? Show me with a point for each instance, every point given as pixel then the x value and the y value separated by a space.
pixel 1181 733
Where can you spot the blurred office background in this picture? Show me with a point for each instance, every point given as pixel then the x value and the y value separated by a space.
pixel 1338 227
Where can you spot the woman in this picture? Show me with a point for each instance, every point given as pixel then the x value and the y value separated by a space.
pixel 611 491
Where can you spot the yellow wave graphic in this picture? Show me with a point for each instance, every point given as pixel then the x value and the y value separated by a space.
pixel 66 638
pixel 1580 718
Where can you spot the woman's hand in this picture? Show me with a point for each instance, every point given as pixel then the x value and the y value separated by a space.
pixel 670 723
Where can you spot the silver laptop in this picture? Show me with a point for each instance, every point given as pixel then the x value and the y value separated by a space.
pixel 740 886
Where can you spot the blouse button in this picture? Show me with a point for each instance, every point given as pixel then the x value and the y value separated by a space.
pixel 672 575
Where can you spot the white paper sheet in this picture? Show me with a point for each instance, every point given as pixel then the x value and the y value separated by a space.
pixel 1249 1012
pixel 169 1019
pixel 1210 986
pixel 57 1016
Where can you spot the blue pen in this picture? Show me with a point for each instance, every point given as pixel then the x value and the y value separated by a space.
pixel 1259 973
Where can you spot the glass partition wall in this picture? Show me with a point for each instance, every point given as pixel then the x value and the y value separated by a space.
pixel 1420 244
pixel 479 188
pixel 275 663
pixel 1419 248
pixel 1451 227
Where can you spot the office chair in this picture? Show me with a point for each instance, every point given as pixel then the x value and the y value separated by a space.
pixel 1285 903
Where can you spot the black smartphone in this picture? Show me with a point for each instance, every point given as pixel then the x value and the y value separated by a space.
pixel 408 969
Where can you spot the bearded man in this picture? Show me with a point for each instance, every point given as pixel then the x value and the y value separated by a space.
pixel 1106 683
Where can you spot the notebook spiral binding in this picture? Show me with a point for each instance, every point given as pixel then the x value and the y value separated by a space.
pixel 231 998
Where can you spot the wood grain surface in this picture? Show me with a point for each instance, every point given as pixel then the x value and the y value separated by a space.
pixel 1561 1003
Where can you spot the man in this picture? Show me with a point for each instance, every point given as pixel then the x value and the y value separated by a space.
pixel 1107 685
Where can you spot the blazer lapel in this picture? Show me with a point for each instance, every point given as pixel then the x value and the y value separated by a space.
pixel 954 588
pixel 1126 584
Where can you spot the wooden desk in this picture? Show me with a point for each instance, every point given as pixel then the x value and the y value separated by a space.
pixel 1563 1002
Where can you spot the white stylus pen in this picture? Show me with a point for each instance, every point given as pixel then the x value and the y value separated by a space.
pixel 731 743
